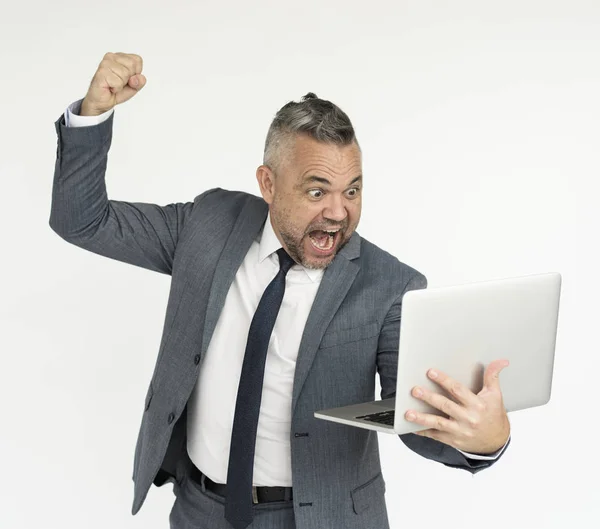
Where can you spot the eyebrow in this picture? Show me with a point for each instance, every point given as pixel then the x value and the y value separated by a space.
pixel 322 180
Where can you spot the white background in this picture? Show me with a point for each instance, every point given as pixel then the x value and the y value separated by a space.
pixel 479 124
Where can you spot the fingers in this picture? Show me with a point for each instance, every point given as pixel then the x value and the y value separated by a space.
pixel 442 403
pixel 134 63
pixel 475 423
pixel 119 68
pixel 491 376
pixel 433 421
pixel 455 389
pixel 117 79
pixel 114 78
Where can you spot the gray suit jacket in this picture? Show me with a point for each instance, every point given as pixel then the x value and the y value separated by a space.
pixel 351 334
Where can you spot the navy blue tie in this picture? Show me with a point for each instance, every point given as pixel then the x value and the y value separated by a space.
pixel 238 503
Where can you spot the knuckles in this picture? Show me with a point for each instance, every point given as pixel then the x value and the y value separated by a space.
pixel 455 389
pixel 135 61
pixel 480 406
pixel 446 406
pixel 473 421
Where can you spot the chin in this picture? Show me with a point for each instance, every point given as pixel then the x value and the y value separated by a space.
pixel 318 264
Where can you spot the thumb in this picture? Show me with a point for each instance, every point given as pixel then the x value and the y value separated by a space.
pixel 492 373
pixel 133 86
pixel 137 81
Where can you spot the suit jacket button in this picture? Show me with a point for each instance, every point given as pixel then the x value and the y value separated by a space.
pixel 197 359
pixel 171 417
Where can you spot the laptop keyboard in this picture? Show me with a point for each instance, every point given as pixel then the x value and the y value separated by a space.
pixel 382 417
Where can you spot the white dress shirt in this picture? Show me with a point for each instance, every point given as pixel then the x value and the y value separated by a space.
pixel 212 403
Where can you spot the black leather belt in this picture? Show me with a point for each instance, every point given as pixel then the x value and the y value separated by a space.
pixel 259 494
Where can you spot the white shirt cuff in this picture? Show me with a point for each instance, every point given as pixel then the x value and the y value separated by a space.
pixel 489 456
pixel 73 119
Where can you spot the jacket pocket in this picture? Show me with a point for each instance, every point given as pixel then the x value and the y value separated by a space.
pixel 354 334
pixel 367 494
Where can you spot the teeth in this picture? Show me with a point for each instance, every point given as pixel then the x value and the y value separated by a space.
pixel 328 245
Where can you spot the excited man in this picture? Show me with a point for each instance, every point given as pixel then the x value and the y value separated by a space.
pixel 277 308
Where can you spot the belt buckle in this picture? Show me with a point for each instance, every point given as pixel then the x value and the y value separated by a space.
pixel 254 495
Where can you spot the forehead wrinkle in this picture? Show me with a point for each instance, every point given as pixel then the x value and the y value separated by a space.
pixel 331 157
pixel 321 163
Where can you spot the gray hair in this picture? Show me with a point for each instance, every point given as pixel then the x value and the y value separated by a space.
pixel 317 118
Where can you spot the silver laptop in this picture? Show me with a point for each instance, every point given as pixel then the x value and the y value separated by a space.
pixel 460 330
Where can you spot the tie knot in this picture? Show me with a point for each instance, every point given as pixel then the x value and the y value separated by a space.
pixel 285 261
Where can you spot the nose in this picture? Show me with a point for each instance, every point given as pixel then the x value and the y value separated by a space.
pixel 335 208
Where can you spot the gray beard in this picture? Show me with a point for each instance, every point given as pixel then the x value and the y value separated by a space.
pixel 296 252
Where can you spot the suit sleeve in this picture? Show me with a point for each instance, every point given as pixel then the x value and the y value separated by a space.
pixel 387 367
pixel 136 233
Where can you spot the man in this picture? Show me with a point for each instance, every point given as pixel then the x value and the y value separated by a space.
pixel 277 308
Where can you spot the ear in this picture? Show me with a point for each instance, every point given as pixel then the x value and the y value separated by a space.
pixel 266 182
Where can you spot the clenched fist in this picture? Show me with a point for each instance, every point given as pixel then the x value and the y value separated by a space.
pixel 118 78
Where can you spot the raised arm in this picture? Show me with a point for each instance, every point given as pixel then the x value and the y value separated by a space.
pixel 137 233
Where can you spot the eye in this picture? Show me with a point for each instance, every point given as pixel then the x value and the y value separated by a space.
pixel 355 193
pixel 315 193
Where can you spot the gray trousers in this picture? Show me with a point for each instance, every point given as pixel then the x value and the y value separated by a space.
pixel 198 508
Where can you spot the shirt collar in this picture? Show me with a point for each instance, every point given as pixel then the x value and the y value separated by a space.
pixel 269 244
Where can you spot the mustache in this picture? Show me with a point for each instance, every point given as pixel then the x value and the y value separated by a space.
pixel 327 228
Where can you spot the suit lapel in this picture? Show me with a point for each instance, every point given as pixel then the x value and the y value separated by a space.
pixel 248 224
pixel 335 283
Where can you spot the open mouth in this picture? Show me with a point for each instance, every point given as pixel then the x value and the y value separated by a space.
pixel 324 240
